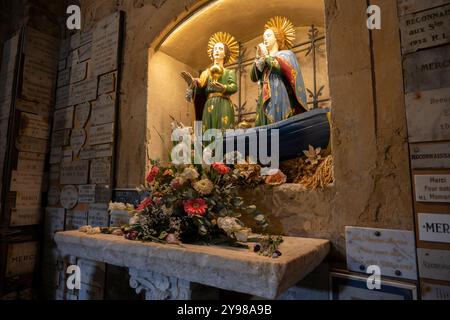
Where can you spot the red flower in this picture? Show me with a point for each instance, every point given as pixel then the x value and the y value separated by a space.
pixel 221 168
pixel 195 207
pixel 145 203
pixel 152 174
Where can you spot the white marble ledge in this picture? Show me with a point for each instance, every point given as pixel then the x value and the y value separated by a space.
pixel 227 268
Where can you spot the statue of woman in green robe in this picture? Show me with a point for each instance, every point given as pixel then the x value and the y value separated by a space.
pixel 211 92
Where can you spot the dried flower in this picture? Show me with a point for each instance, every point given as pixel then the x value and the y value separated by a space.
pixel 195 207
pixel 189 174
pixel 221 168
pixel 276 179
pixel 313 155
pixel 204 187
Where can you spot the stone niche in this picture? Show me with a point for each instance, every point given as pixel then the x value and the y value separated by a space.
pixel 372 183
pixel 183 47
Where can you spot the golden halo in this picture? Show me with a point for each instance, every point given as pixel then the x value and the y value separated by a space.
pixel 284 28
pixel 228 40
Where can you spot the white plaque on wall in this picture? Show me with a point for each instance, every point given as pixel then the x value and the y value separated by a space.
pixel 434 264
pixel 392 250
pixel 69 197
pixel 430 155
pixel 431 291
pixel 432 188
pixel 434 227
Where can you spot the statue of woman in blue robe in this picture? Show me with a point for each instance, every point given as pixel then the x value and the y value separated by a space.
pixel 282 91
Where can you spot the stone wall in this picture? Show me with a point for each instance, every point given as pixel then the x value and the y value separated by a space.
pixel 372 183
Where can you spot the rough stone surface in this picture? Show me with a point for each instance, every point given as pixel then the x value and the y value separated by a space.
pixel 233 269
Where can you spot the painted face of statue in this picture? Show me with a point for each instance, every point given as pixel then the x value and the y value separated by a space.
pixel 219 51
pixel 269 39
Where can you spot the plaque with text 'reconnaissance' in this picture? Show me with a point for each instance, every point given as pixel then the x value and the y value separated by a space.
pixel 34 126
pixel 105 45
pixel 392 250
pixel 430 155
pixel 83 91
pixel 63 119
pixel 75 172
pixel 425 29
pixel 434 264
pixel 53 196
pixel 428 114
pixel 412 6
pixel 102 134
pixel 431 291
pixel 28 144
pixel 427 70
pixel 77 140
pixel 434 227
pixel 82 112
pixel 432 188
pixel 69 197
pixel 98 215
pixel 86 193
pixel 101 171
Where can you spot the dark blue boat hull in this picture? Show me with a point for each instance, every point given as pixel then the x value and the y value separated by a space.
pixel 295 135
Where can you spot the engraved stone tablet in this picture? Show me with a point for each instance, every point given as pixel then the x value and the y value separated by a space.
pixel 101 171
pixel 69 197
pixel 392 250
pixel 86 193
pixel 430 155
pixel 431 291
pixel 75 172
pixel 62 97
pixel 21 181
pixel 63 119
pixel 83 91
pixel 78 72
pixel 432 188
pixel 34 126
pixel 38 108
pixel 105 45
pixel 119 218
pixel 427 70
pixel 54 173
pixel 55 155
pixel 53 196
pixel 63 78
pixel 107 83
pixel 103 193
pixel 102 134
pixel 28 200
pixel 28 144
pixel 77 140
pixel 82 112
pixel 434 227
pixel 434 264
pixel 25 217
pixel 98 215
pixel 75 219
pixel 103 115
pixel 32 166
pixel 85 52
pixel 60 138
pixel 428 114
pixel 425 29
pixel 67 156
pixel 54 221
pixel 21 259
pixel 411 6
